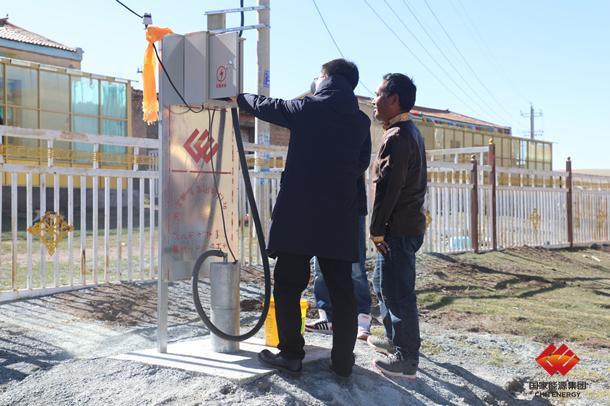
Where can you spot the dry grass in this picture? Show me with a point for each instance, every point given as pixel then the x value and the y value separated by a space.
pixel 543 294
pixel 106 267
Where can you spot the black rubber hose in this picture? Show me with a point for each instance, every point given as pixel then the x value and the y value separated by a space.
pixel 261 244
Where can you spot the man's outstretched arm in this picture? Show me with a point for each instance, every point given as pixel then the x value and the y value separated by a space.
pixel 276 111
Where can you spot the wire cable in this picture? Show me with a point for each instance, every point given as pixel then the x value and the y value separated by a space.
pixel 255 217
pixel 133 12
pixel 261 243
pixel 464 58
pixel 171 82
pixel 417 58
pixel 335 42
pixel 241 4
pixel 481 43
pixel 482 107
pixel 327 29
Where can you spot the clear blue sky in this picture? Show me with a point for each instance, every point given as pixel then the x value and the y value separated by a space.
pixel 555 54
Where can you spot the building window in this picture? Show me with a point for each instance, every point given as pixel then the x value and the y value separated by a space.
pixel 40 97
pixel 54 93
pixel 438 138
pixel 114 100
pixel 85 96
pixel 21 87
pixel 523 155
pixel 1 93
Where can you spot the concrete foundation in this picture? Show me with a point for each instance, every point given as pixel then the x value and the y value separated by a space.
pixel 197 356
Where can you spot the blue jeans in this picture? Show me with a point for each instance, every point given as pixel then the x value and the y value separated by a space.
pixel 394 284
pixel 359 278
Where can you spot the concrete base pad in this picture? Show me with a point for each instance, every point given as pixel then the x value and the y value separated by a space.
pixel 197 356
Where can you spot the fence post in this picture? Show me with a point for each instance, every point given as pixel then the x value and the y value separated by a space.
pixel 491 157
pixel 474 205
pixel 569 203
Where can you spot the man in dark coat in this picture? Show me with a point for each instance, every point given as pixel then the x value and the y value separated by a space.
pixel 316 211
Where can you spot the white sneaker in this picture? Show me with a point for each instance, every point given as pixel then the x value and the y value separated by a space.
pixel 364 326
pixel 320 326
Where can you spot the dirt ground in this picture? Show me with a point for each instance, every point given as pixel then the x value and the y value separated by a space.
pixel 485 318
pixel 548 295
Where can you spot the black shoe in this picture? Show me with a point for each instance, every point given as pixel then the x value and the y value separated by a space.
pixel 394 365
pixel 279 362
pixel 342 376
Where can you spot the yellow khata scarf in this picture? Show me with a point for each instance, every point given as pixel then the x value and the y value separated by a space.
pixel 150 104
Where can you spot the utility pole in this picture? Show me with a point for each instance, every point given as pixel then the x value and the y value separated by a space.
pixel 262 134
pixel 262 129
pixel 532 115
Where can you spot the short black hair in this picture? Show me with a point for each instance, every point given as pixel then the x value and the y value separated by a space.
pixel 403 86
pixel 342 67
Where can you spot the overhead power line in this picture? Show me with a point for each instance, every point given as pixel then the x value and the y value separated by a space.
pixel 133 12
pixel 482 107
pixel 464 58
pixel 482 44
pixel 415 56
pixel 330 34
pixel 447 59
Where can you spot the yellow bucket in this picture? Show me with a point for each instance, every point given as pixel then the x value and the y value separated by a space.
pixel 271 337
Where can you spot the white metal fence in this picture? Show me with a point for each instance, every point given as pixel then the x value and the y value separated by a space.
pixel 591 205
pixel 531 208
pixel 514 206
pixel 471 205
pixel 98 198
pixel 448 215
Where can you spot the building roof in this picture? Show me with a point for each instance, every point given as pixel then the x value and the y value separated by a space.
pixel 594 172
pixel 449 117
pixel 452 116
pixel 12 32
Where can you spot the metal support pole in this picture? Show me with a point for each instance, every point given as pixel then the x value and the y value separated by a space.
pixel 569 203
pixel 532 131
pixel 492 179
pixel 224 287
pixel 262 129
pixel 474 205
pixel 163 264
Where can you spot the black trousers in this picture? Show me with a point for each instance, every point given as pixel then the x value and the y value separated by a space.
pixel 291 276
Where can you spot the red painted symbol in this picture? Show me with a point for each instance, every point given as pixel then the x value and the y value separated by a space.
pixel 221 74
pixel 555 360
pixel 201 147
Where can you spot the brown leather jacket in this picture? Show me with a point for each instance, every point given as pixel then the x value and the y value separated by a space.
pixel 401 179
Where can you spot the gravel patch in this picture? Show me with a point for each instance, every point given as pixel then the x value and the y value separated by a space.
pixel 54 350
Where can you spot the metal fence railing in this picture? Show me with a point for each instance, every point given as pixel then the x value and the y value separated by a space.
pixel 74 223
pixel 473 205
pixel 69 222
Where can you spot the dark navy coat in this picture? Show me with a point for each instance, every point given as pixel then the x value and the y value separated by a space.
pixel 317 208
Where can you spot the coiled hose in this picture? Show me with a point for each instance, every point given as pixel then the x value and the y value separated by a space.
pixel 217 253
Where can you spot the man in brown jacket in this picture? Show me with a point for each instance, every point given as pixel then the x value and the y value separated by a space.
pixel 398 224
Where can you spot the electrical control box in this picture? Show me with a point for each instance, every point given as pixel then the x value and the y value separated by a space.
pixel 196 67
pixel 202 66
pixel 224 65
pixel 172 56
